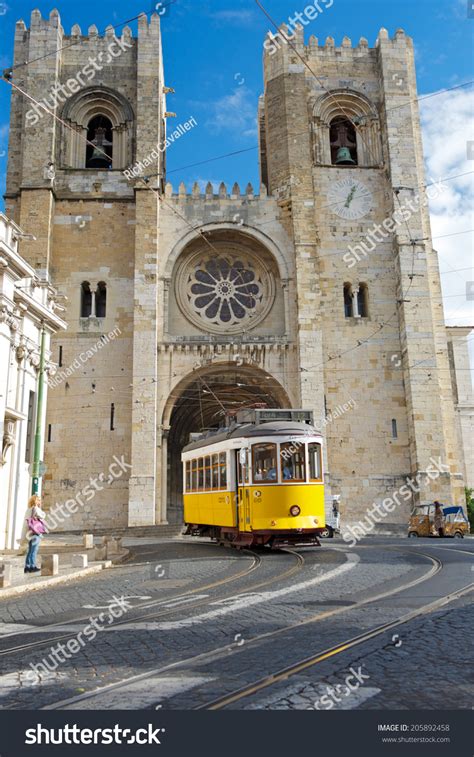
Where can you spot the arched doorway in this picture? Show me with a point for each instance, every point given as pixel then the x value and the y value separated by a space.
pixel 200 403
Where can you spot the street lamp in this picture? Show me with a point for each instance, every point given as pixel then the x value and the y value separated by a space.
pixel 37 472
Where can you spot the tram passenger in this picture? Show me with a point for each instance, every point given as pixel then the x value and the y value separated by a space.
pixel 287 472
pixel 258 475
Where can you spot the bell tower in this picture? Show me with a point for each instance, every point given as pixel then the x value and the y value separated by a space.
pixel 86 108
pixel 340 145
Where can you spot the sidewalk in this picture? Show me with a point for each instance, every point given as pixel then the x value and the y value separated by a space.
pixel 65 547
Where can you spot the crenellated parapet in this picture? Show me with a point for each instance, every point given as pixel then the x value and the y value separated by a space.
pixel 209 192
pixel 40 25
pixel 287 52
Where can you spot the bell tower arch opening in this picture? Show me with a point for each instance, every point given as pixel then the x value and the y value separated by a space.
pixel 200 403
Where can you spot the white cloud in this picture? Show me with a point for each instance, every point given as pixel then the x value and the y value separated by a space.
pixel 235 113
pixel 446 124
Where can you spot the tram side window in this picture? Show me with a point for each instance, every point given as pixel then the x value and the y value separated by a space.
pixel 223 470
pixel 207 473
pixel 315 467
pixel 292 458
pixel 264 459
pixel 215 471
pixel 243 466
pixel 188 476
pixel 200 474
pixel 194 475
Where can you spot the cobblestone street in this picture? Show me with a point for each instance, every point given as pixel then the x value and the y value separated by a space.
pixel 201 623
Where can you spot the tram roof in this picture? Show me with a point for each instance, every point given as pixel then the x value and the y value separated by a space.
pixel 274 428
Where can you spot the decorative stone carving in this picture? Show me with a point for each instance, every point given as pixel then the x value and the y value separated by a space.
pixel 8 438
pixel 224 293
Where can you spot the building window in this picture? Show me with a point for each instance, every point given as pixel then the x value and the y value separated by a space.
pixel 86 300
pixel 112 417
pixel 394 429
pixel 30 426
pixel 101 299
pixel 348 301
pixel 103 117
pixel 99 133
pixel 346 130
pixel 343 141
pixel 225 292
pixel 363 301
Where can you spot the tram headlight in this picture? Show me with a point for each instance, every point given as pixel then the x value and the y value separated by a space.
pixel 295 510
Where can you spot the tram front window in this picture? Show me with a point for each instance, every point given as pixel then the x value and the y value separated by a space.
pixel 264 463
pixel 292 461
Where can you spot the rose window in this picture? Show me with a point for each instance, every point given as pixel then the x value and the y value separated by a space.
pixel 223 292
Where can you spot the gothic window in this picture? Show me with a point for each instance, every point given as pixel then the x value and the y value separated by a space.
pixel 343 142
pixel 348 301
pixel 224 292
pixel 363 301
pixel 103 117
pixel 99 134
pixel 101 299
pixel 86 299
pixel 346 130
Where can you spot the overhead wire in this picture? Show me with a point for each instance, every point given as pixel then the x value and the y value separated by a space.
pixel 198 229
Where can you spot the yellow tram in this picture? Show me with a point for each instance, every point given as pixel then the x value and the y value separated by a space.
pixel 258 482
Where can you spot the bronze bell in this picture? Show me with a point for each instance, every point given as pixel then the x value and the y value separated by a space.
pixel 343 157
pixel 99 157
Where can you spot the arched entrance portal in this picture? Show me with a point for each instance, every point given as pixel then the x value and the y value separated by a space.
pixel 200 403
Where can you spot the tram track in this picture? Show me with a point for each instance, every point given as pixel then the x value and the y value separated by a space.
pixel 300 561
pixel 286 673
pixel 215 654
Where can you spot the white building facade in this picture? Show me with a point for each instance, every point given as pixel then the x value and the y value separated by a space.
pixel 27 307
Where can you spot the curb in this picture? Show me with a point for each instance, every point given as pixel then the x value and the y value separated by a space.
pixel 14 591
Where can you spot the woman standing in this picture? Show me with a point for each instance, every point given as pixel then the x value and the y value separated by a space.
pixel 438 518
pixel 36 527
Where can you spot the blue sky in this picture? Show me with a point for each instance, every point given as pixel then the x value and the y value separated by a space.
pixel 213 49
pixel 213 58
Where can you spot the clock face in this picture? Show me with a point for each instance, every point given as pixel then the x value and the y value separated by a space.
pixel 350 198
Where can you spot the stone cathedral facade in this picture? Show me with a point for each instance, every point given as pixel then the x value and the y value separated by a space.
pixel 184 305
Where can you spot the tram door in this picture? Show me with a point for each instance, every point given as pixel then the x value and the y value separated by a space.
pixel 243 494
